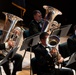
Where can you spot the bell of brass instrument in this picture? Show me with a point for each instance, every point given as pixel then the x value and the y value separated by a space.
pixel 52 40
pixel 50 15
pixel 10 22
pixel 9 27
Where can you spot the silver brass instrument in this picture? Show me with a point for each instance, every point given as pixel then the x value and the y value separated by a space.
pixel 10 25
pixel 52 41
pixel 50 15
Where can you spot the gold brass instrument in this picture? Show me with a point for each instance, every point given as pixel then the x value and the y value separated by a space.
pixel 9 30
pixel 50 15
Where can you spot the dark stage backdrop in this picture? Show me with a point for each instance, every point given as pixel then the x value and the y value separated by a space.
pixel 67 7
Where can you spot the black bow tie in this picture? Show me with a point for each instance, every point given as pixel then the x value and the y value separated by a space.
pixel 48 47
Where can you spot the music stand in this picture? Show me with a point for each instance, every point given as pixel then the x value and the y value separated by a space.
pixel 65 29
pixel 10 55
pixel 56 32
pixel 72 59
pixel 29 42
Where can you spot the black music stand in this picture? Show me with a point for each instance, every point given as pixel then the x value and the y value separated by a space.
pixel 56 32
pixel 29 42
pixel 72 59
pixel 64 30
pixel 10 55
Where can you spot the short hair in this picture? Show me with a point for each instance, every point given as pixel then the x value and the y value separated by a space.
pixel 36 11
pixel 43 34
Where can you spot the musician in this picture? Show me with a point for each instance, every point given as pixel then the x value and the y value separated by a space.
pixel 3 47
pixel 71 42
pixel 17 59
pixel 37 22
pixel 45 60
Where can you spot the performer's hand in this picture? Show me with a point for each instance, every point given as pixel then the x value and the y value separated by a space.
pixel 11 43
pixel 61 60
pixel 49 32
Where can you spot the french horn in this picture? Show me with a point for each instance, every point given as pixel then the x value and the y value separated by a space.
pixel 50 15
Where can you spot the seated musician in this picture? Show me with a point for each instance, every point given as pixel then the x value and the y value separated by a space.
pixel 45 58
pixel 71 42
pixel 17 59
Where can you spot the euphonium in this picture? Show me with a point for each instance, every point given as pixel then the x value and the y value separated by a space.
pixel 9 30
pixel 52 41
pixel 50 15
pixel 10 22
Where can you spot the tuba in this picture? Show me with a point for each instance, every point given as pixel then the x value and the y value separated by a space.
pixel 50 15
pixel 52 42
pixel 10 22
pixel 9 30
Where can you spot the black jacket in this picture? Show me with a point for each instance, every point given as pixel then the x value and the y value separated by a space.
pixel 2 46
pixel 44 60
pixel 34 27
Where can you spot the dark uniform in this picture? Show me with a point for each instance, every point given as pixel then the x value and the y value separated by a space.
pixel 45 63
pixel 35 27
pixel 17 65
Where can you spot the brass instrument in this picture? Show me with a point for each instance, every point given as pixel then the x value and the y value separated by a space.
pixel 9 30
pixel 50 15
pixel 52 41
pixel 10 22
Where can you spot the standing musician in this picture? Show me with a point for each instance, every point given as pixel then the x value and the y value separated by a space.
pixel 17 59
pixel 45 58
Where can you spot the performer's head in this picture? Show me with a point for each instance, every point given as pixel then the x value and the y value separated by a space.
pixel 37 15
pixel 43 37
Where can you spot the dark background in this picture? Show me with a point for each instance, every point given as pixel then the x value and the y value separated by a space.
pixel 67 7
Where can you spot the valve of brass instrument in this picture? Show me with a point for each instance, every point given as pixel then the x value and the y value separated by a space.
pixel 15 35
pixel 56 55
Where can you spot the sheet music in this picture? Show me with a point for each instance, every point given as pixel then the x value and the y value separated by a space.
pixel 72 59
